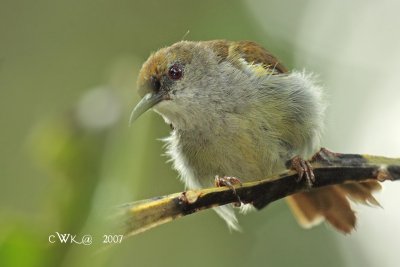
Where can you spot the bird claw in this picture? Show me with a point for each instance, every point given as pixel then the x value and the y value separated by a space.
pixel 324 155
pixel 303 169
pixel 229 182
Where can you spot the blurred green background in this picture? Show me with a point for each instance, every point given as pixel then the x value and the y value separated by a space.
pixel 67 85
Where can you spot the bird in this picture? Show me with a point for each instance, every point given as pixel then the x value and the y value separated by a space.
pixel 238 114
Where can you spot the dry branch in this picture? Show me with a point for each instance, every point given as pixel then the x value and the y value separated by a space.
pixel 329 169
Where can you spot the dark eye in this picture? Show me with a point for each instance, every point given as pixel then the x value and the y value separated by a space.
pixel 175 72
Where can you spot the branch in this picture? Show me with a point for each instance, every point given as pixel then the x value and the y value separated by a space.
pixel 332 168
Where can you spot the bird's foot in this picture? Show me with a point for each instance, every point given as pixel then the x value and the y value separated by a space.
pixel 324 155
pixel 229 182
pixel 303 169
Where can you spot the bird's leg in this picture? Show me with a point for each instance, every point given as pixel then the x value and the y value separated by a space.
pixel 229 182
pixel 303 169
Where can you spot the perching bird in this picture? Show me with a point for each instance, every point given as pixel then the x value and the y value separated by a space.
pixel 236 111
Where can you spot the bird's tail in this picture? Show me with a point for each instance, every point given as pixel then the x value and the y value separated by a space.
pixel 331 203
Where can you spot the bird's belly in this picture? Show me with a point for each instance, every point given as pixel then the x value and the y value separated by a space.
pixel 242 157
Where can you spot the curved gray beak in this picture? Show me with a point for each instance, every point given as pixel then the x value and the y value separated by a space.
pixel 147 102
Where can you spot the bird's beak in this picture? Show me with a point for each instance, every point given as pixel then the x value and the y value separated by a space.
pixel 147 102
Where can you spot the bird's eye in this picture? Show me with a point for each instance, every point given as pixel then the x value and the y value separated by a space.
pixel 175 72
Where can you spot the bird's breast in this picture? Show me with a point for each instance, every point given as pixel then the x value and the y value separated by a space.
pixel 242 153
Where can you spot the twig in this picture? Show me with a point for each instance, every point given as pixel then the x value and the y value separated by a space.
pixel 331 169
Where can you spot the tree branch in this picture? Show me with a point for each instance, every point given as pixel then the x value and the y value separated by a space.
pixel 329 169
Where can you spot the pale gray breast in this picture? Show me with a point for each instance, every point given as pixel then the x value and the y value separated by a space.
pixel 243 152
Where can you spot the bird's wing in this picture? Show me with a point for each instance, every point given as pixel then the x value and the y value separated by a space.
pixel 247 54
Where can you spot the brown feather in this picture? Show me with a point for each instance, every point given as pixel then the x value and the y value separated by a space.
pixel 251 52
pixel 361 192
pixel 256 54
pixel 331 203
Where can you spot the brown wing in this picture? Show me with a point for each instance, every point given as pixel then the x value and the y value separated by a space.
pixel 256 54
pixel 247 50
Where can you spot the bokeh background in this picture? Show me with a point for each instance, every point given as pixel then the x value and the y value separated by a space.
pixel 67 85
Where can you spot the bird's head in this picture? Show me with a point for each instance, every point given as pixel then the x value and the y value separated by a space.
pixel 189 80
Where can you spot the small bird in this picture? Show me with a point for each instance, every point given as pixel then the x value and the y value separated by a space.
pixel 238 114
